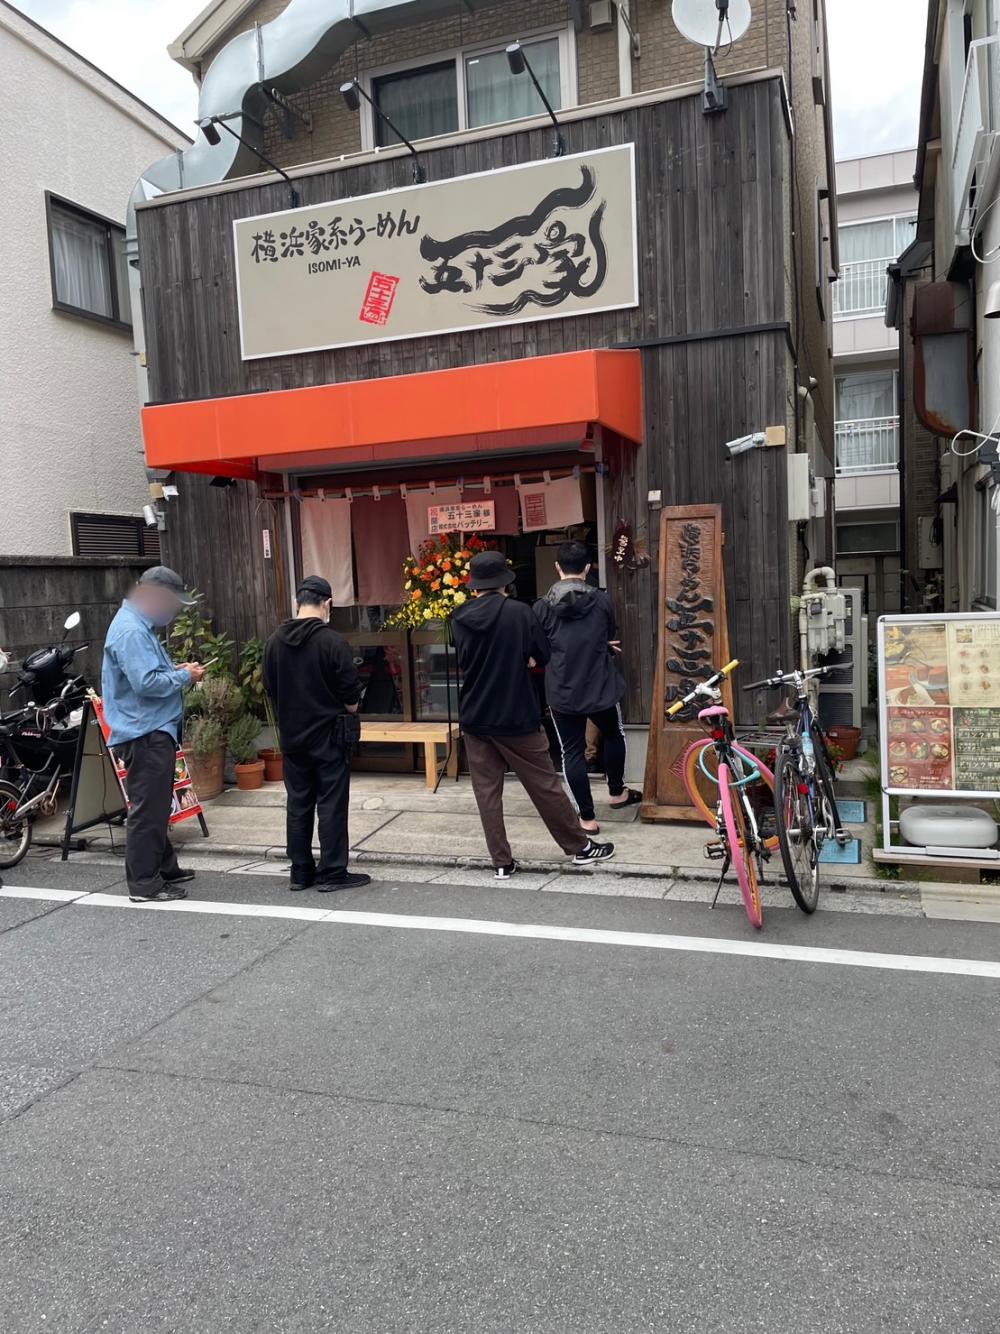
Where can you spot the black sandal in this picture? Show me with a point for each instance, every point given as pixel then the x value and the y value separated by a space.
pixel 633 799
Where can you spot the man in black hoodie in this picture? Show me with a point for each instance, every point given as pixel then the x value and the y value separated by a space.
pixel 498 641
pixel 310 675
pixel 583 680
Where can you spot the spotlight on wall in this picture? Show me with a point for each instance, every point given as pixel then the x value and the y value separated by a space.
pixel 210 129
pixel 352 93
pixel 223 483
pixel 519 63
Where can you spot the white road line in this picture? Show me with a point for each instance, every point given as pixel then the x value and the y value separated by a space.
pixel 750 949
pixel 29 892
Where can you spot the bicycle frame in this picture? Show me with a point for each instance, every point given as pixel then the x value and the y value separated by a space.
pixel 723 736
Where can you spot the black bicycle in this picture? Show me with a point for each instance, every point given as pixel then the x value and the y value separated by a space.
pixel 805 804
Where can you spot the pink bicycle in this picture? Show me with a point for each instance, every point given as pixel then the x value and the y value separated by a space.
pixel 734 771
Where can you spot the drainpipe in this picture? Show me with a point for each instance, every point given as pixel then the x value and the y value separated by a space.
pixel 624 48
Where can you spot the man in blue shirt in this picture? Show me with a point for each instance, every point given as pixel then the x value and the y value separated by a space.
pixel 144 707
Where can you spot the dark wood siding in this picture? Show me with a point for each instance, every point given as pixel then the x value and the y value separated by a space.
pixel 713 230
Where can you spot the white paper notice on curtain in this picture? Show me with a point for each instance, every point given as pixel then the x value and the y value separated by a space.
pixel 469 517
pixel 557 504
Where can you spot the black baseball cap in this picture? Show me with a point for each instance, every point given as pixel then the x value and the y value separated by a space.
pixel 161 576
pixel 316 585
pixel 490 570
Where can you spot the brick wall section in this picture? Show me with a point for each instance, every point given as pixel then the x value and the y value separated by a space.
pixel 337 131
pixel 667 58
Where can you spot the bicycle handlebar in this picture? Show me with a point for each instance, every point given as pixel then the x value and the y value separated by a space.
pixel 703 687
pixel 787 678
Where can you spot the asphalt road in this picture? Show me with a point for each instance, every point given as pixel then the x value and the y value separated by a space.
pixel 215 1121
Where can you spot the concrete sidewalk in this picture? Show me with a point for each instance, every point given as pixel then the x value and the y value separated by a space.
pixel 396 821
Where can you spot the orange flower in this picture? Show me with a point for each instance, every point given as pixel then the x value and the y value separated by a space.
pixel 435 585
pixel 446 565
pixel 417 594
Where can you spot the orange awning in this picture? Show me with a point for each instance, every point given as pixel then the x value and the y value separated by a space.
pixel 502 405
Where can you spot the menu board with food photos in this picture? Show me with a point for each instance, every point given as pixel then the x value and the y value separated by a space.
pixel 939 701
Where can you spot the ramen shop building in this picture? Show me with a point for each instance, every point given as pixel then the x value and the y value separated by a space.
pixel 515 331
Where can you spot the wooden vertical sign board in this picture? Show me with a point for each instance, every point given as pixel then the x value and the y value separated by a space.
pixel 693 642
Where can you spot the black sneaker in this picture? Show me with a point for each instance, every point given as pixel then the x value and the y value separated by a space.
pixel 164 895
pixel 180 877
pixel 594 852
pixel 300 884
pixel 505 872
pixel 349 880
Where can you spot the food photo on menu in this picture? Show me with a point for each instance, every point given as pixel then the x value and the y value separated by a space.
pixel 974 656
pixel 920 748
pixel 916 665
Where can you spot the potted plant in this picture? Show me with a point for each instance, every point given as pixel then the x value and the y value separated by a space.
pixel 274 765
pixel 243 747
pixel 205 752
pixel 259 702
pixel 212 708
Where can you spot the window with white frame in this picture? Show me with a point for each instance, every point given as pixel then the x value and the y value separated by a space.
pixel 87 264
pixel 468 88
pixel 866 251
pixel 867 424
pixel 985 559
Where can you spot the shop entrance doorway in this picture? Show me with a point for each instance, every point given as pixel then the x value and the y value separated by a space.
pixel 411 675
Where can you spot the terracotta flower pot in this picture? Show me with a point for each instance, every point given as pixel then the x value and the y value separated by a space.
pixel 846 740
pixel 207 771
pixel 250 776
pixel 274 767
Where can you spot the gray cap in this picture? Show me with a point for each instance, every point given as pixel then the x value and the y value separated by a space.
pixel 161 576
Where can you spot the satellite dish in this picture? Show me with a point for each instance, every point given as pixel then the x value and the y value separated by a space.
pixel 711 23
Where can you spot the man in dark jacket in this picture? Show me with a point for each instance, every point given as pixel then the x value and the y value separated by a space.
pixel 498 641
pixel 310 675
pixel 583 680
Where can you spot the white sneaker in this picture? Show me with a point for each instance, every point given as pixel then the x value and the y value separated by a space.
pixel 505 872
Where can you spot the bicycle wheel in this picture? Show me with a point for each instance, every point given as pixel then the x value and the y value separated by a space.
pixel 15 838
pixel 698 757
pixel 796 832
pixel 742 857
pixel 824 785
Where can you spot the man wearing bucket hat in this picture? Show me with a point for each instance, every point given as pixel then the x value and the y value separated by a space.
pixel 498 641
pixel 143 693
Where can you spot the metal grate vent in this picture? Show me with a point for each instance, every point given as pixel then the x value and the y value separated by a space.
pixel 113 535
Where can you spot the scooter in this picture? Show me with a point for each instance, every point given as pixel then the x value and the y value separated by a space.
pixel 38 743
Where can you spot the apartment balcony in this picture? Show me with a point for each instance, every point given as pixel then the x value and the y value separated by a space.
pixel 867 459
pixel 860 290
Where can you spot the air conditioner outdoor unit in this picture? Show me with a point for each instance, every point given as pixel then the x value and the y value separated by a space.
pixel 844 693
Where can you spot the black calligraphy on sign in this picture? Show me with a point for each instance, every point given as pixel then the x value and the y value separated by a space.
pixel 540 258
pixel 331 235
pixel 690 623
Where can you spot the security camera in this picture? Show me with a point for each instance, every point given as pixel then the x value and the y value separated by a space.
pixel 149 515
pixel 992 308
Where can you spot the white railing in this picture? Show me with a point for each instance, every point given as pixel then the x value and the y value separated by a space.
pixel 869 444
pixel 860 289
pixel 975 131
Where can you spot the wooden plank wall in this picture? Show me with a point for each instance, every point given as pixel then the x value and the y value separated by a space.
pixel 712 238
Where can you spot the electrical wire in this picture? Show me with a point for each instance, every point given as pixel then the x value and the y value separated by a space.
pixel 991 256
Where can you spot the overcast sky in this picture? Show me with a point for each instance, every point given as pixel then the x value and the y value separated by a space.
pixel 876 53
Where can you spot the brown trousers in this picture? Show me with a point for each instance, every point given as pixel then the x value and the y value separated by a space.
pixel 489 758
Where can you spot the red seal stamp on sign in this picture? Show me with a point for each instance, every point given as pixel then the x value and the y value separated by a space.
pixel 378 300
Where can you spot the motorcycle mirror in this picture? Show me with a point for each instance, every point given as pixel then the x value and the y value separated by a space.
pixel 72 621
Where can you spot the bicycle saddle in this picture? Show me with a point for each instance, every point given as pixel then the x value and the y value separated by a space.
pixel 714 711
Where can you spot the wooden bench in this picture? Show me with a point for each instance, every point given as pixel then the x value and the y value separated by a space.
pixel 428 735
